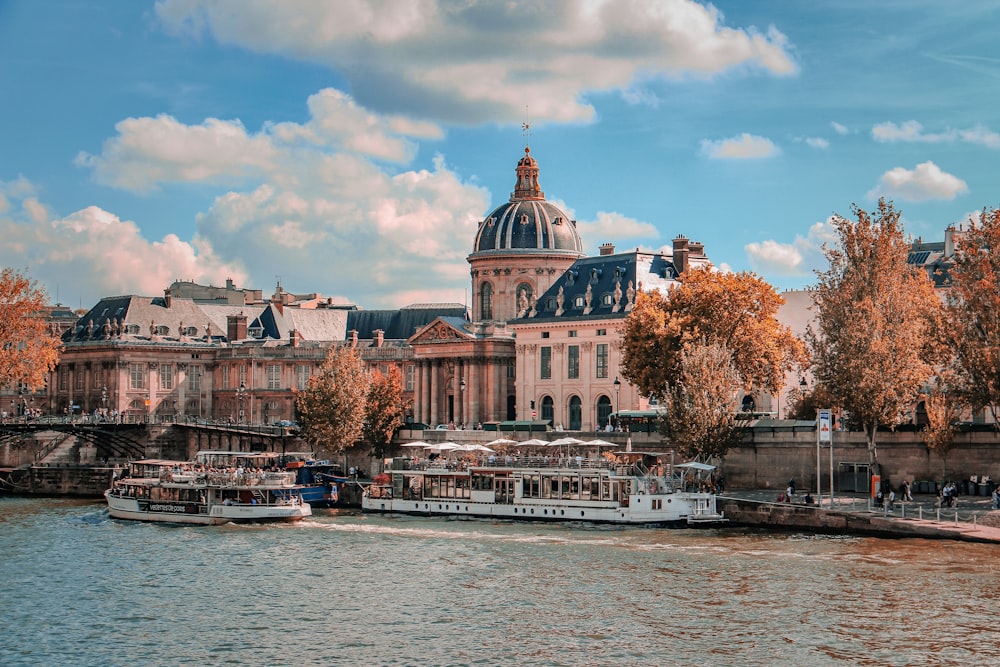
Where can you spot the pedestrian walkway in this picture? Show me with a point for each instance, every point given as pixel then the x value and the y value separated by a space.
pixel 920 517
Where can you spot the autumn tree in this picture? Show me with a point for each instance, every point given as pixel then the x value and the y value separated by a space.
pixel 872 339
pixel 384 409
pixel 973 312
pixel 28 349
pixel 703 417
pixel 735 310
pixel 331 408
pixel 942 420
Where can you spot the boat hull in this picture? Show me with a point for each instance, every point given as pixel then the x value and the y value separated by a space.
pixel 195 513
pixel 677 510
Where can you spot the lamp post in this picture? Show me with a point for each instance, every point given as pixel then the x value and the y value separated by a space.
pixel 240 395
pixel 461 398
pixel 618 403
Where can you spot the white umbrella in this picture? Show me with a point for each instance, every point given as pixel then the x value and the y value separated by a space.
pixel 534 442
pixel 418 443
pixel 441 447
pixel 564 441
pixel 500 442
pixel 481 448
pixel 599 443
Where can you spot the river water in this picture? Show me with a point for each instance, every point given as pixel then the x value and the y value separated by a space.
pixel 344 588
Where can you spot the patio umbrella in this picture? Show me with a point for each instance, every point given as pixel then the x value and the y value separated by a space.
pixel 441 447
pixel 534 442
pixel 565 441
pixel 599 443
pixel 417 443
pixel 481 448
pixel 501 442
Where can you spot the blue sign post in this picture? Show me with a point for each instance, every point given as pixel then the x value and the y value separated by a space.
pixel 824 433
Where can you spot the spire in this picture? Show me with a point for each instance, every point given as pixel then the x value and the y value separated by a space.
pixel 527 179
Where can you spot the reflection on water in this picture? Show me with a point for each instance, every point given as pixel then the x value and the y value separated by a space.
pixel 345 588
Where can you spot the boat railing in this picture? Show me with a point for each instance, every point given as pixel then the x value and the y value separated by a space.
pixel 460 465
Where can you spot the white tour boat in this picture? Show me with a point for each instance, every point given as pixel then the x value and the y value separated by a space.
pixel 633 488
pixel 179 492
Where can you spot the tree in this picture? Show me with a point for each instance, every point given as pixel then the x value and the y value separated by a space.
pixel 735 310
pixel 942 421
pixel 872 341
pixel 973 312
pixel 384 408
pixel 28 350
pixel 332 406
pixel 703 417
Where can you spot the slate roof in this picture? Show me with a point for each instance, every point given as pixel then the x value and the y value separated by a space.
pixel 643 271
pixel 403 323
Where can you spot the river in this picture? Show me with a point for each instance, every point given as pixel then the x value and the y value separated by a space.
pixel 344 588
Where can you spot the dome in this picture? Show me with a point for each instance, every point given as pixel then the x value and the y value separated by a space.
pixel 527 221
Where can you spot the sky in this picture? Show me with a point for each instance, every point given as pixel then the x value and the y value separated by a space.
pixel 351 148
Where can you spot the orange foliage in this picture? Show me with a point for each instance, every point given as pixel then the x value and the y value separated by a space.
pixel 28 350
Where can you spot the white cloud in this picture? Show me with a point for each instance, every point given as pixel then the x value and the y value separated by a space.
pixel 93 253
pixel 838 128
pixel 478 62
pixel 744 147
pixel 924 182
pixel 913 131
pixel 799 258
pixel 817 142
pixel 612 227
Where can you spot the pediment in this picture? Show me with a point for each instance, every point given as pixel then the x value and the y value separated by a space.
pixel 438 331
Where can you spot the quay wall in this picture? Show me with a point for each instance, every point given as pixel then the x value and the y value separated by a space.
pixel 72 481
pixel 768 458
pixel 812 519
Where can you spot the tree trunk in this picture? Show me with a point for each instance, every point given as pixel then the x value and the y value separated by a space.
pixel 870 430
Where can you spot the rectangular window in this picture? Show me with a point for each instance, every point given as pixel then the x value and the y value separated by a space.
pixel 302 374
pixel 63 381
pixel 545 334
pixel 411 377
pixel 225 377
pixel 194 378
pixel 97 378
pixel 166 376
pixel 571 333
pixel 135 377
pixel 79 380
pixel 602 360
pixel 602 332
pixel 546 363
pixel 243 376
pixel 274 376
pixel 573 362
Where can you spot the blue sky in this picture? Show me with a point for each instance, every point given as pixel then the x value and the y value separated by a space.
pixel 351 148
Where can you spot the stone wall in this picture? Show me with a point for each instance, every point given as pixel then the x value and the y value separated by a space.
pixel 768 458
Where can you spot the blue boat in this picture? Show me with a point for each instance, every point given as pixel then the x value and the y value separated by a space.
pixel 321 482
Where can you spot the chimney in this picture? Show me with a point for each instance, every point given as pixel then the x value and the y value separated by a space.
pixel 167 297
pixel 294 337
pixel 697 249
pixel 949 240
pixel 681 254
pixel 236 327
pixel 379 337
pixel 352 336
pixel 607 248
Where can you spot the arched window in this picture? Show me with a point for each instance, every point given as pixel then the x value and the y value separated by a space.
pixel 486 302
pixel 523 297
pixel 548 413
pixel 575 414
pixel 603 410
pixel 749 405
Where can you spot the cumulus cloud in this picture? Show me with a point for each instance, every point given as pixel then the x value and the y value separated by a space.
pixel 478 62
pixel 922 183
pixel 799 258
pixel 744 147
pixel 93 253
pixel 612 227
pixel 838 128
pixel 817 142
pixel 913 131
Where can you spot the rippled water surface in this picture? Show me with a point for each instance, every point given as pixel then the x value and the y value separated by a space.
pixel 347 589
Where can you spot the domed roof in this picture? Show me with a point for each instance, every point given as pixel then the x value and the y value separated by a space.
pixel 528 222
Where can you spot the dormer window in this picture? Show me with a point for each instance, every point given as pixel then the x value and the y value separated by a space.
pixel 595 275
pixel 578 302
pixel 162 330
pixel 132 328
pixel 605 299
pixel 255 332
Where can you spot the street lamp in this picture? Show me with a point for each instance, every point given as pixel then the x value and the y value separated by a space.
pixel 618 402
pixel 240 395
pixel 104 401
pixel 461 398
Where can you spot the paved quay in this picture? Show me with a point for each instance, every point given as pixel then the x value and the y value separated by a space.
pixel 971 519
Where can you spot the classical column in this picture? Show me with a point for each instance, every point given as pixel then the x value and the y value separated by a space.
pixel 459 394
pixel 473 389
pixel 435 392
pixel 425 391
